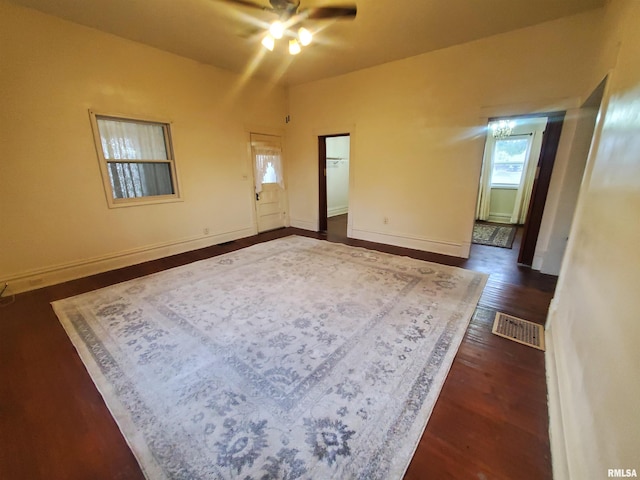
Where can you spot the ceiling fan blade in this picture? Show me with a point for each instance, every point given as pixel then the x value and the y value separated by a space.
pixel 248 3
pixel 252 33
pixel 320 13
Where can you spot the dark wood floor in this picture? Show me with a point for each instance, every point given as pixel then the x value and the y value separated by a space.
pixel 490 421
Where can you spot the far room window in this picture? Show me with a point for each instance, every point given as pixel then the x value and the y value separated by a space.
pixel 509 158
pixel 136 160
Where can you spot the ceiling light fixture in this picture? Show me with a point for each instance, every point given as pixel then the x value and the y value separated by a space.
pixel 277 30
pixel 294 47
pixel 268 42
pixel 290 19
pixel 502 128
pixel 304 36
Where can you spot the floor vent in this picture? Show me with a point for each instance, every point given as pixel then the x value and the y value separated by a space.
pixel 518 330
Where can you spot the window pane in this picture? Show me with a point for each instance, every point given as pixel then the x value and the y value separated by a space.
pixel 270 174
pixel 509 156
pixel 131 180
pixel 268 166
pixel 127 140
pixel 138 160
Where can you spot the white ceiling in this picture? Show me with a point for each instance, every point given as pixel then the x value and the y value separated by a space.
pixel 218 33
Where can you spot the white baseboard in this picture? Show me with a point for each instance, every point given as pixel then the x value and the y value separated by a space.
pixel 536 264
pixel 332 212
pixel 499 217
pixel 304 224
pixel 417 243
pixel 557 439
pixel 33 279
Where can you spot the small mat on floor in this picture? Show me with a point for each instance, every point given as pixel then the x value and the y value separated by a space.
pixel 518 330
pixel 494 235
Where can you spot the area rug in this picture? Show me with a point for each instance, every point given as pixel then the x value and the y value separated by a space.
pixel 295 358
pixel 494 235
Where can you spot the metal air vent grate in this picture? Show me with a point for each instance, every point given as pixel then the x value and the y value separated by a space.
pixel 518 330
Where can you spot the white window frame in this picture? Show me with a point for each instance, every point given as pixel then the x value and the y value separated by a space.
pixel 510 186
pixel 170 160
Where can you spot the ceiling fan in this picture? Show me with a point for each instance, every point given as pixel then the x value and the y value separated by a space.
pixel 290 15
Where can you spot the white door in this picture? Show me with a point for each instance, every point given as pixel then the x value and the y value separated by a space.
pixel 266 151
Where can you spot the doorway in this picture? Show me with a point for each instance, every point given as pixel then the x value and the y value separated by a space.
pixel 517 164
pixel 334 165
pixel 509 166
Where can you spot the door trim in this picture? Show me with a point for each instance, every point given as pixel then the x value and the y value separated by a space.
pixel 322 178
pixel 322 183
pixel 550 142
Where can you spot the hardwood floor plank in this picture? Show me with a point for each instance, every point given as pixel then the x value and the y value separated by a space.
pixel 501 450
pixel 438 459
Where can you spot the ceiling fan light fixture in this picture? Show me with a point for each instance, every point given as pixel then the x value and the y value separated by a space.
pixel 304 36
pixel 276 29
pixel 294 47
pixel 291 18
pixel 268 42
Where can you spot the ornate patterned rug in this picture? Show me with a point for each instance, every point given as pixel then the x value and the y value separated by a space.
pixel 494 235
pixel 295 358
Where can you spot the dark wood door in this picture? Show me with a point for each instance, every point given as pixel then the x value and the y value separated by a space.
pixel 548 151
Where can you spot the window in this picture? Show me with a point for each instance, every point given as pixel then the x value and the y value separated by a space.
pixel 268 165
pixel 509 158
pixel 136 160
pixel 267 156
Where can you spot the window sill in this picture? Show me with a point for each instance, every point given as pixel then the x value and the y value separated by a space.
pixel 134 202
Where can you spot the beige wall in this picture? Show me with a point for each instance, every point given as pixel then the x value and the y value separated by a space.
pixel 418 128
pixel 563 191
pixel 55 220
pixel 593 328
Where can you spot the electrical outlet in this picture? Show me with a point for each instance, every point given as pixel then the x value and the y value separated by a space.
pixel 385 220
pixel 205 230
